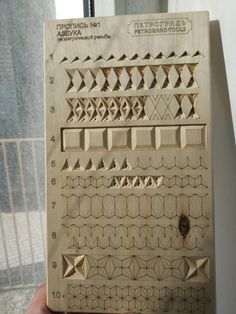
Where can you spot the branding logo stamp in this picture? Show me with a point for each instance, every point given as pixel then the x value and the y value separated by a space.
pixel 168 26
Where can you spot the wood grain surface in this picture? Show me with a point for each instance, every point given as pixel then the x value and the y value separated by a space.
pixel 129 170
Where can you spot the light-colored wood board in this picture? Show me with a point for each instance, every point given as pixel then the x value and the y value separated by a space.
pixel 129 170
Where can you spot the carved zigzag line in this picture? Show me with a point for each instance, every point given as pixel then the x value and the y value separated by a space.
pixel 147 56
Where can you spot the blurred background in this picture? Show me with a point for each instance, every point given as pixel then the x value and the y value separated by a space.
pixel 22 200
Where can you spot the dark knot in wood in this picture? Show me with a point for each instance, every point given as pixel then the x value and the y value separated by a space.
pixel 184 225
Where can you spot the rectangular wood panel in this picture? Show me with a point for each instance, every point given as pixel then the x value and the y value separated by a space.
pixel 129 171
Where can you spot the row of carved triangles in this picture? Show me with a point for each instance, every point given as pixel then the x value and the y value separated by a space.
pixel 134 57
pixel 101 165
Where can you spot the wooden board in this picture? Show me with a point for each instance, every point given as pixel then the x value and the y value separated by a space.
pixel 129 171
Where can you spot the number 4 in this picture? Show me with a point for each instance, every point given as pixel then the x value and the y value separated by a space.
pixel 53 139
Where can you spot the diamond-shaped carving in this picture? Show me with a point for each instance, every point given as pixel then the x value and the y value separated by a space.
pixel 112 79
pixel 90 109
pixel 178 268
pixel 149 77
pixel 174 106
pixel 150 267
pixel 161 76
pixel 125 108
pixel 101 79
pixel 124 79
pixel 136 78
pixel 173 75
pixel 170 107
pixel 134 267
pixel 110 266
pixel 89 80
pixel 101 109
pixel 186 76
pixel 72 115
pixel 76 80
pixel 161 106
pixel 186 106
pixel 79 110
pixel 150 108
pixel 74 266
pixel 198 268
pixel 113 109
pixel 138 108
pixel 164 268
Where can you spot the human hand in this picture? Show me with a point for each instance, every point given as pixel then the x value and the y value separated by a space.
pixel 38 303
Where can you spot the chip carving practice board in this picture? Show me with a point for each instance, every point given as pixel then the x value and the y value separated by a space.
pixel 129 171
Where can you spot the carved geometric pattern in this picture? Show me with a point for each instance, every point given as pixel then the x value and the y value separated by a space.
pixel 198 268
pixel 133 206
pixel 134 237
pixel 123 78
pixel 135 181
pixel 193 136
pixel 129 188
pixel 168 137
pixel 101 165
pixel 119 138
pixel 135 138
pixel 106 109
pixel 163 107
pixel 125 164
pixel 160 107
pixel 130 267
pixel 187 163
pixel 143 138
pixel 74 266
pixel 95 139
pixel 73 139
pixel 137 268
pixel 136 56
pixel 127 298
